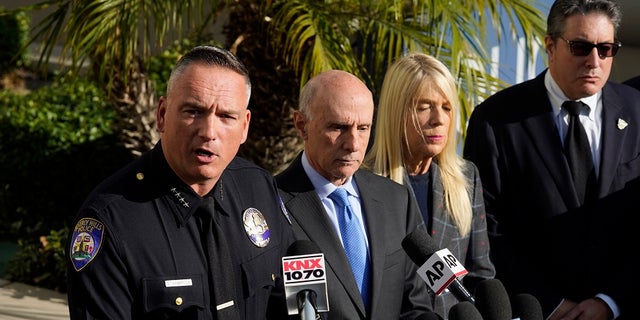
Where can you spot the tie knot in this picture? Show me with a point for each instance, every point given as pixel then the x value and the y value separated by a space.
pixel 573 107
pixel 340 196
pixel 208 205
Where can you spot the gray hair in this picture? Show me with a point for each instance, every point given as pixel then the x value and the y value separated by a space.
pixel 211 56
pixel 562 9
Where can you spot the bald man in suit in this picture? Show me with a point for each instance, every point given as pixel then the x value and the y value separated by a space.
pixel 334 120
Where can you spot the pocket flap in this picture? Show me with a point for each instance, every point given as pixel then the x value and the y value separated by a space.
pixel 176 293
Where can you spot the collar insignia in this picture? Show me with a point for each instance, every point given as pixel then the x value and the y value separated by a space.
pixel 179 197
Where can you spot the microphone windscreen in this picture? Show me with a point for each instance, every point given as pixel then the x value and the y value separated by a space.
pixel 464 311
pixel 300 247
pixel 429 316
pixel 419 246
pixel 526 307
pixel 492 300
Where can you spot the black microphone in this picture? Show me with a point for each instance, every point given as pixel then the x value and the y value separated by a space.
pixel 526 307
pixel 492 300
pixel 305 281
pixel 307 304
pixel 439 268
pixel 464 310
pixel 429 316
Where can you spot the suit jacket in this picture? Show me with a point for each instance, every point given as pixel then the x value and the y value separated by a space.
pixel 391 213
pixel 513 140
pixel 471 250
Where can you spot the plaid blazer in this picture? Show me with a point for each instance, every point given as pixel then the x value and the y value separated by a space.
pixel 471 250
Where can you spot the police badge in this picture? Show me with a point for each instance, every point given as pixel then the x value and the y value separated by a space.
pixel 256 227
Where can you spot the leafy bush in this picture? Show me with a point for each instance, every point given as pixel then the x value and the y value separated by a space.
pixel 41 263
pixel 56 144
pixel 14 32
pixel 160 66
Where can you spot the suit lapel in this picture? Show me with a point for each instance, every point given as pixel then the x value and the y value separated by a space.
pixel 305 207
pixel 614 121
pixel 540 126
pixel 544 136
pixel 437 211
pixel 312 219
pixel 375 221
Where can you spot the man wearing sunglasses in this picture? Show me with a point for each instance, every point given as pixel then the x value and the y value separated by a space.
pixel 534 182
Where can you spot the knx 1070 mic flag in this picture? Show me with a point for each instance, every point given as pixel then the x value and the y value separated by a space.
pixel 305 280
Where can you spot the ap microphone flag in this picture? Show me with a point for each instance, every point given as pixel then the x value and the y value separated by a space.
pixel 440 270
pixel 304 272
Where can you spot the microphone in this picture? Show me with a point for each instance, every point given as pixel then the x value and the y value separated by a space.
pixel 429 316
pixel 492 300
pixel 305 280
pixel 526 307
pixel 464 310
pixel 439 268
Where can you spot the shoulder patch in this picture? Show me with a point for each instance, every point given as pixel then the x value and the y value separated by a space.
pixel 87 238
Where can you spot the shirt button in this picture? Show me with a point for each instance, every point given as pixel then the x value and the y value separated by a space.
pixel 178 301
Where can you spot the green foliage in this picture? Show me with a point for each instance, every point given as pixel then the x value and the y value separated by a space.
pixel 65 109
pixel 160 65
pixel 56 143
pixel 51 120
pixel 14 35
pixel 41 261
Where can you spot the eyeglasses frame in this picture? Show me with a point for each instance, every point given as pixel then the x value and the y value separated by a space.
pixel 570 43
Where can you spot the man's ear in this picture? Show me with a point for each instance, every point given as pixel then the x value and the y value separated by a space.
pixel 549 44
pixel 300 123
pixel 160 113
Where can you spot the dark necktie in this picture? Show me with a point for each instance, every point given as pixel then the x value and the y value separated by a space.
pixel 354 242
pixel 578 152
pixel 221 277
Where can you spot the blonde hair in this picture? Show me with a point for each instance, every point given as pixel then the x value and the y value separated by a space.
pixel 403 82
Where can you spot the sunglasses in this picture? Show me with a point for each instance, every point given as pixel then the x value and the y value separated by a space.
pixel 583 48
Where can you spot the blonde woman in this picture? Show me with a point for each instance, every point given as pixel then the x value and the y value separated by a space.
pixel 414 144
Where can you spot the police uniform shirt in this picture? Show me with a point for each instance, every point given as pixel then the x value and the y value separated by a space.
pixel 135 250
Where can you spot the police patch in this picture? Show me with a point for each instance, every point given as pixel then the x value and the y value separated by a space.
pixel 256 227
pixel 87 238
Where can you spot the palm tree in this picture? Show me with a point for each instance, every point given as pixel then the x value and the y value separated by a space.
pixel 116 38
pixel 365 36
pixel 283 43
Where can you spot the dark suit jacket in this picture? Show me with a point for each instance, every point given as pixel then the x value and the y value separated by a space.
pixel 634 82
pixel 472 250
pixel 513 140
pixel 391 213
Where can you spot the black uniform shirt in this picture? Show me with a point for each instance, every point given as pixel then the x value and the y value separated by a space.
pixel 135 251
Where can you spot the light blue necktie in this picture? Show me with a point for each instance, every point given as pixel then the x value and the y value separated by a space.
pixel 354 242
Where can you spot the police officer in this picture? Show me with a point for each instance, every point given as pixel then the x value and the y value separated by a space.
pixel 188 230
